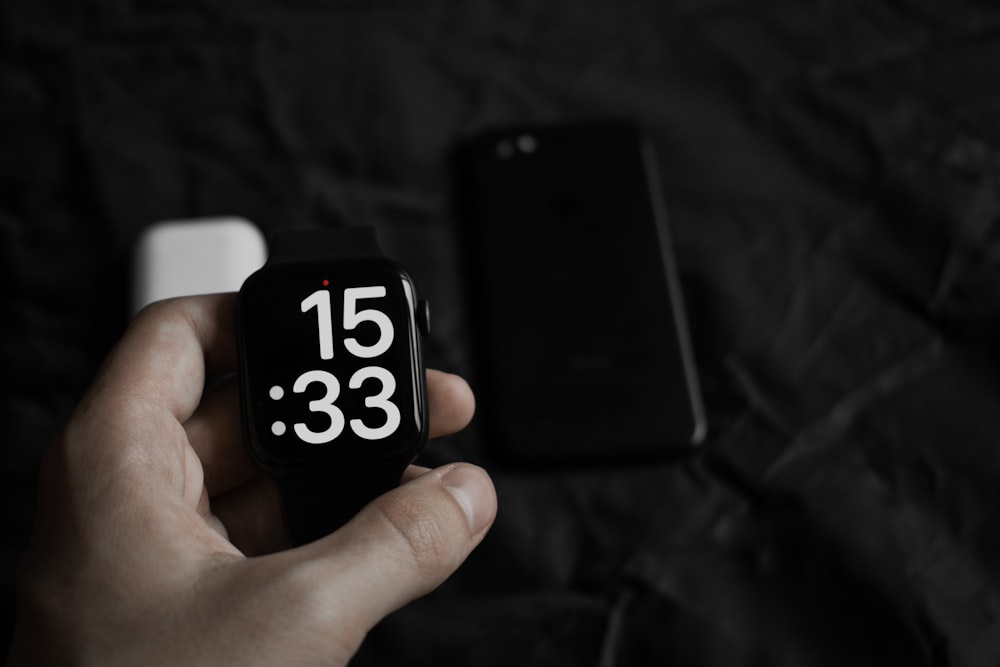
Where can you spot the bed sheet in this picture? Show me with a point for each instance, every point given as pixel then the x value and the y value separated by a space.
pixel 832 171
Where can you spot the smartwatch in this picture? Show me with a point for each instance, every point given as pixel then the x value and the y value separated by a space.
pixel 332 384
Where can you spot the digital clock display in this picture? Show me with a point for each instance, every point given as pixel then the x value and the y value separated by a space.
pixel 330 364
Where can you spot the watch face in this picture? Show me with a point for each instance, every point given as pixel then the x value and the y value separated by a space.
pixel 331 374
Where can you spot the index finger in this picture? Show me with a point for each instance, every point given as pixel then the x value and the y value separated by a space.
pixel 166 353
pixel 124 455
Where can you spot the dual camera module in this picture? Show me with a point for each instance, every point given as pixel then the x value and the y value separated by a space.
pixel 525 144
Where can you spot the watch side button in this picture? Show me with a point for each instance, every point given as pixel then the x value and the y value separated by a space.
pixel 423 316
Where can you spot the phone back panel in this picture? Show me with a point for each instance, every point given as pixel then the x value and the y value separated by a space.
pixel 582 345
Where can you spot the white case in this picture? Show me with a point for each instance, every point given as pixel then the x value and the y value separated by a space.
pixel 198 256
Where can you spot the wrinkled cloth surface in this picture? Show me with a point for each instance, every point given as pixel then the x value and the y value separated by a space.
pixel 832 171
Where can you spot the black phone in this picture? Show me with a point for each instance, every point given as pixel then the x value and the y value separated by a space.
pixel 581 344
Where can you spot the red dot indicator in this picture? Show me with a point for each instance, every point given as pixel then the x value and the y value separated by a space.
pixel 326 283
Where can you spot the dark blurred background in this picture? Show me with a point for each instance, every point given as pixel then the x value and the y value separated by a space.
pixel 832 170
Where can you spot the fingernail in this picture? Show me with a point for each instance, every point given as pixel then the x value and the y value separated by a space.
pixel 472 488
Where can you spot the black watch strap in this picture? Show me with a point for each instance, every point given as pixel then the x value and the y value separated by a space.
pixel 296 245
pixel 317 504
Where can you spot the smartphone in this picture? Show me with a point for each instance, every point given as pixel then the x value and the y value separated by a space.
pixel 581 344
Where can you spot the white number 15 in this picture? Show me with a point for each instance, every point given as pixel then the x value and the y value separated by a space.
pixel 320 300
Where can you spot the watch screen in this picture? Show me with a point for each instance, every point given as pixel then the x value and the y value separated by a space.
pixel 331 369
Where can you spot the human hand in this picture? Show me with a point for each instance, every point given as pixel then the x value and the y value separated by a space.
pixel 157 541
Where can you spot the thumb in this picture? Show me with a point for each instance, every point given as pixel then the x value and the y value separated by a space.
pixel 405 543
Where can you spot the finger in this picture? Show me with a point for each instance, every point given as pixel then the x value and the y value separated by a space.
pixel 450 403
pixel 161 360
pixel 413 471
pixel 215 433
pixel 126 432
pixel 253 518
pixel 403 544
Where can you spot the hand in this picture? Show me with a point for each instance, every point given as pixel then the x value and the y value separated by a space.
pixel 151 518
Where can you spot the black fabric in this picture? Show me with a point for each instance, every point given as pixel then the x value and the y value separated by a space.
pixel 832 171
pixel 343 242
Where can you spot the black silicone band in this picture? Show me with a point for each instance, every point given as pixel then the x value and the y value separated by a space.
pixel 317 504
pixel 296 245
